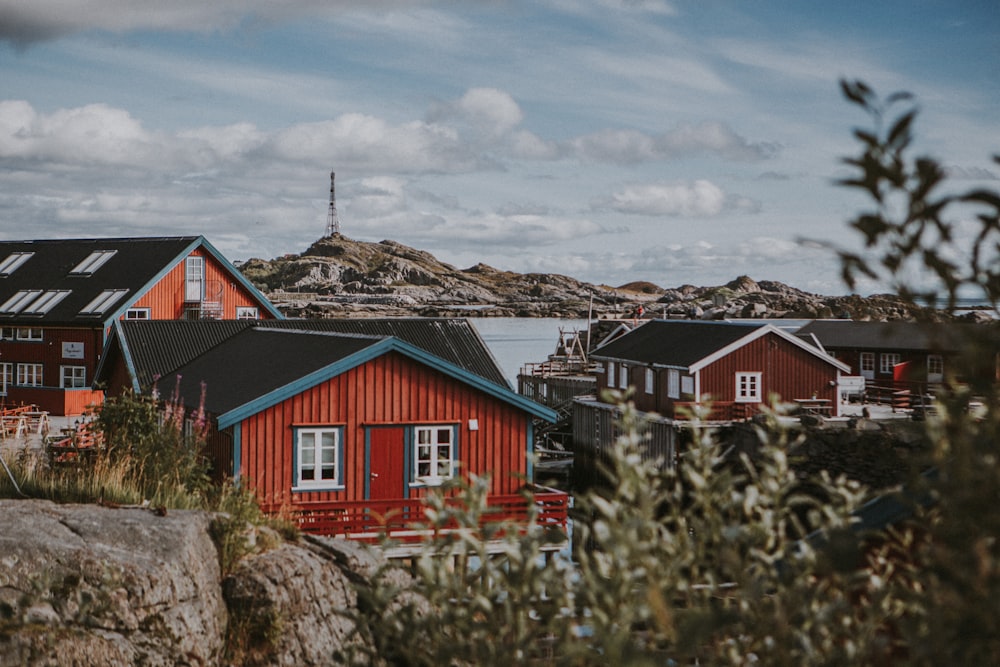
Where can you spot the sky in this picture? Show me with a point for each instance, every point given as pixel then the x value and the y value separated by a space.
pixel 672 141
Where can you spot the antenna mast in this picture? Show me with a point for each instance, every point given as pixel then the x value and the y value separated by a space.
pixel 332 220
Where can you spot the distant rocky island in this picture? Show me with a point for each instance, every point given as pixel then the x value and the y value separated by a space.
pixel 340 277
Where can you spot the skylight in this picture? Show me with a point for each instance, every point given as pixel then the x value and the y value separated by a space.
pixel 46 302
pixel 103 301
pixel 94 261
pixel 13 261
pixel 21 298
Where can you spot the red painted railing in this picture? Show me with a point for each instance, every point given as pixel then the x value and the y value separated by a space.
pixel 404 519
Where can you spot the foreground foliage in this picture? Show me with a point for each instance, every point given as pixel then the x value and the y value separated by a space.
pixel 726 561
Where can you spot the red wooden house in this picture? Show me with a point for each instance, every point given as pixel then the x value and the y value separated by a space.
pixel 342 423
pixel 736 367
pixel 58 299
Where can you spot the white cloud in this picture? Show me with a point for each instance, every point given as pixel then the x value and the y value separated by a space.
pixel 631 146
pixel 700 198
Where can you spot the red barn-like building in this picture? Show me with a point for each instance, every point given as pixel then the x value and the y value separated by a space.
pixel 344 421
pixel 736 367
pixel 58 299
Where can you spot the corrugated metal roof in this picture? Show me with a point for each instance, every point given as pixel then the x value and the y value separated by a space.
pixel 455 340
pixel 130 264
pixel 161 347
pixel 255 362
pixel 676 343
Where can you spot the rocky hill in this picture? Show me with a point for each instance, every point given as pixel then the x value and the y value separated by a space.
pixel 338 276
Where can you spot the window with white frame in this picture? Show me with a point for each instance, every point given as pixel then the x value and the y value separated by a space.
pixel 935 367
pixel 650 380
pixel 13 261
pixel 138 314
pixel 748 388
pixel 6 376
pixel 434 454
pixel 246 313
pixel 611 374
pixel 318 458
pixel 867 362
pixel 46 302
pixel 623 377
pixel 29 375
pixel 33 334
pixel 92 262
pixel 887 361
pixel 7 333
pixel 103 301
pixel 673 383
pixel 72 377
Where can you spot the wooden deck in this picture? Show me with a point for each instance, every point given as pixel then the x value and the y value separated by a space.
pixel 405 520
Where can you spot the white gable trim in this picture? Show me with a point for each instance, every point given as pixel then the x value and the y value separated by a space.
pixel 759 332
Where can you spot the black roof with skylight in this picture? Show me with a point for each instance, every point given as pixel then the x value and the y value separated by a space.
pixel 79 281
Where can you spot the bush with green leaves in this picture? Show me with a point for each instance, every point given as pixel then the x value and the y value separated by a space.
pixel 737 560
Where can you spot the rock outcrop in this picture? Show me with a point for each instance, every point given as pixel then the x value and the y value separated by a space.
pixel 89 585
pixel 337 277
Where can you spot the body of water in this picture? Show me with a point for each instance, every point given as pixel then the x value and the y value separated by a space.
pixel 516 341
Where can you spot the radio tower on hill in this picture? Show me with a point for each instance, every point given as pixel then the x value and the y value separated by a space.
pixel 332 220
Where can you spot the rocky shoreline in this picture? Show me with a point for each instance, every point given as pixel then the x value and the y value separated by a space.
pixel 340 277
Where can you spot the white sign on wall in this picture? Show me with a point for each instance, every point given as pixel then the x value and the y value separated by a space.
pixel 72 350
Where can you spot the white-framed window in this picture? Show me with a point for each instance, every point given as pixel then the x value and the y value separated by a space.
pixel 318 458
pixel 29 375
pixel 867 362
pixel 623 376
pixel 6 376
pixel 194 278
pixel 18 300
pixel 72 377
pixel 138 314
pixel 13 261
pixel 650 380
pixel 673 383
pixel 748 388
pixel 433 454
pixel 935 368
pixel 46 302
pixel 103 301
pixel 611 374
pixel 92 262
pixel 8 333
pixel 887 360
pixel 34 334
pixel 247 313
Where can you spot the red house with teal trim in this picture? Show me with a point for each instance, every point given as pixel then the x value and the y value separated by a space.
pixel 59 298
pixel 345 424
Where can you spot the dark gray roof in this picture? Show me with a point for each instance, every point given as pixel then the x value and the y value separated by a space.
pixel 255 362
pixel 676 343
pixel 895 336
pixel 132 263
pixel 158 348
pixel 453 339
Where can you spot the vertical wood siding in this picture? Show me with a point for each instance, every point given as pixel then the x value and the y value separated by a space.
pixel 392 389
pixel 786 370
pixel 49 353
pixel 166 299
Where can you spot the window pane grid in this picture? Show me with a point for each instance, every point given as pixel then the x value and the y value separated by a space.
pixel 434 455
pixel 318 457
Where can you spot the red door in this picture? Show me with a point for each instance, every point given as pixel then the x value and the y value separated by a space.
pixel 386 463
